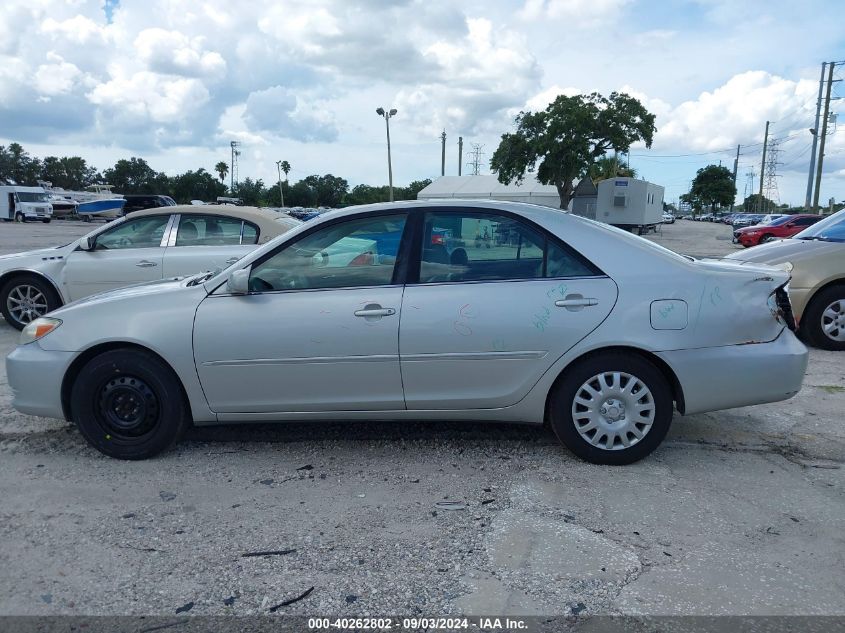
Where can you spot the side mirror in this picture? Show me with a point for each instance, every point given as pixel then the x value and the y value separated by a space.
pixel 238 282
pixel 86 244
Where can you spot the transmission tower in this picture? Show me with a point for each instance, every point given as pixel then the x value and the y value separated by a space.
pixel 233 171
pixel 750 179
pixel 770 186
pixel 476 155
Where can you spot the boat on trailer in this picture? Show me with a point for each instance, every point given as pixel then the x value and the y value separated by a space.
pixel 99 201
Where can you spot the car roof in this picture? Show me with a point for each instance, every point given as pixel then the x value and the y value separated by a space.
pixel 267 221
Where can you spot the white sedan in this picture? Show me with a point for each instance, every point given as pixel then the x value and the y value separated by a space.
pixel 143 246
pixel 524 314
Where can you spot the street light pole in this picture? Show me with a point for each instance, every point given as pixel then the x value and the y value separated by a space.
pixel 387 115
pixel 281 194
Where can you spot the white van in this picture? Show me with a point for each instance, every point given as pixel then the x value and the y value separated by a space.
pixel 25 203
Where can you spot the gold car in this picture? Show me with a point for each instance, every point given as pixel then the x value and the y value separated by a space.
pixel 817 287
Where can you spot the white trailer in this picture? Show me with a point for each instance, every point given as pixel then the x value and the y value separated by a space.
pixel 629 203
pixel 25 203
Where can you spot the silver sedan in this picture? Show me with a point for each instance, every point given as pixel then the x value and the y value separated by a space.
pixel 422 310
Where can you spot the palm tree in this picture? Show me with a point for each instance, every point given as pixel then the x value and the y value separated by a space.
pixel 285 168
pixel 222 169
pixel 610 167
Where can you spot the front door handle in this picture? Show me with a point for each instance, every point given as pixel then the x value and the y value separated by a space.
pixel 145 263
pixel 374 310
pixel 576 302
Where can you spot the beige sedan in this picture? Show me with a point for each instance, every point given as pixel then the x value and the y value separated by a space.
pixel 816 257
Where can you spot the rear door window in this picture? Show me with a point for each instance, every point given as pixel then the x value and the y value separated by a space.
pixel 214 230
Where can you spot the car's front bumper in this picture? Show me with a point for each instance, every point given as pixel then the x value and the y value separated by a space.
pixel 716 378
pixel 35 376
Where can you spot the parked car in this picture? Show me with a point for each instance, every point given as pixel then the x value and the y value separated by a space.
pixel 142 246
pixel 597 331
pixel 780 228
pixel 771 217
pixel 746 219
pixel 816 257
pixel 668 218
pixel 138 202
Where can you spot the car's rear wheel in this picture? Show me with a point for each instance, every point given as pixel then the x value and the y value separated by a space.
pixel 611 408
pixel 765 238
pixel 823 322
pixel 25 298
pixel 128 404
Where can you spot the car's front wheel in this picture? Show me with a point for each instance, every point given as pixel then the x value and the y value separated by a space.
pixel 129 404
pixel 611 408
pixel 823 322
pixel 25 298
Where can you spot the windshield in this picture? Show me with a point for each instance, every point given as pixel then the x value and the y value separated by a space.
pixel 779 221
pixel 831 229
pixel 27 196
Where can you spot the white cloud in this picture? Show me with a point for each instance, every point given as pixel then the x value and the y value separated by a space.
pixel 174 53
pixel 583 13
pixel 280 112
pixel 56 78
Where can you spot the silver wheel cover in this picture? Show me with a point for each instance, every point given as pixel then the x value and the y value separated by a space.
pixel 613 410
pixel 833 321
pixel 26 303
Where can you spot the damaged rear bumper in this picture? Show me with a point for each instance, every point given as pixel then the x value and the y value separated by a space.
pixel 715 378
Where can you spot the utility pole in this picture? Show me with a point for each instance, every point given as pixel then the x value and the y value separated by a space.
pixel 815 208
pixel 443 153
pixel 815 133
pixel 460 153
pixel 760 204
pixel 736 164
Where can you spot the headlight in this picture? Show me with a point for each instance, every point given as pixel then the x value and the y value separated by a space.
pixel 38 329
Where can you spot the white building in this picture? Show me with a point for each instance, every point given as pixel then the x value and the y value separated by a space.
pixel 481 187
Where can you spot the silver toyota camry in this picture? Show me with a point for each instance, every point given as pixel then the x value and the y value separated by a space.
pixel 451 310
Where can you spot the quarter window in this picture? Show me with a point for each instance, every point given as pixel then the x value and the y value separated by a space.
pixel 214 230
pixel 354 253
pixel 489 247
pixel 143 232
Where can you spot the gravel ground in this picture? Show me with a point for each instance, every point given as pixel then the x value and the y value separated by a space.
pixel 739 512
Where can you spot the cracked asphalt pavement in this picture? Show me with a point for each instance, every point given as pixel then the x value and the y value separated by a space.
pixel 739 512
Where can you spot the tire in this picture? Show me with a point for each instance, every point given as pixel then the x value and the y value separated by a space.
pixel 820 319
pixel 569 418
pixel 106 390
pixel 20 217
pixel 25 298
pixel 765 238
pixel 46 221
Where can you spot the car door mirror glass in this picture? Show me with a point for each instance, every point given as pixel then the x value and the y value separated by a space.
pixel 238 282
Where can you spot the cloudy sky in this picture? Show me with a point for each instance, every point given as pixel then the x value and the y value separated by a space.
pixel 173 81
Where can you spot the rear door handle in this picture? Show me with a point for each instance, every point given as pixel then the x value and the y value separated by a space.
pixel 576 302
pixel 374 310
pixel 145 263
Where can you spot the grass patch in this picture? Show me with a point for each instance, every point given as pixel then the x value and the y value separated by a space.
pixel 830 388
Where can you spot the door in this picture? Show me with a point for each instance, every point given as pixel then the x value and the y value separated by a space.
pixel 207 242
pixel 497 303
pixel 128 253
pixel 318 331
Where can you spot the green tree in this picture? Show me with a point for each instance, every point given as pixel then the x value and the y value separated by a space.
pixel 714 186
pixel 329 190
pixel 68 172
pixel 610 167
pixel 17 165
pixel 410 192
pixel 195 185
pixel 285 168
pixel 751 204
pixel 252 192
pixel 222 169
pixel 136 176
pixel 562 142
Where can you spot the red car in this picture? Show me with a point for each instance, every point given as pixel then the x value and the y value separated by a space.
pixel 778 229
